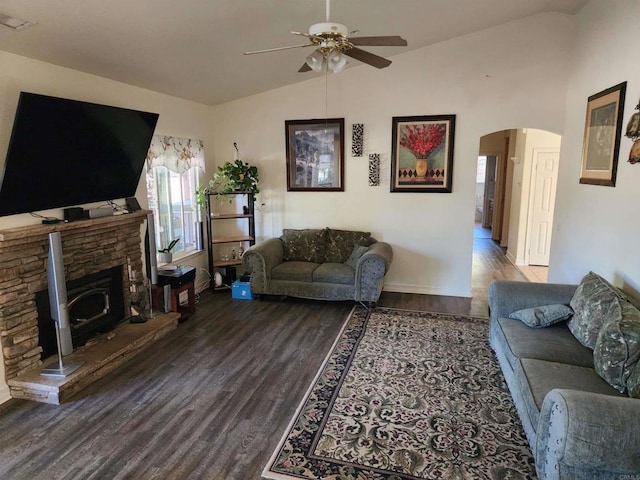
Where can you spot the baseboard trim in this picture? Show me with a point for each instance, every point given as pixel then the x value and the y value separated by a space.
pixel 422 290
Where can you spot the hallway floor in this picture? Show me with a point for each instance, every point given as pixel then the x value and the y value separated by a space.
pixel 483 246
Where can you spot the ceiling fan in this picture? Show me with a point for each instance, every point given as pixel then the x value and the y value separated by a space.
pixel 333 43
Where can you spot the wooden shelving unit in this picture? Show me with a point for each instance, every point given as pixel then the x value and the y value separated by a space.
pixel 228 267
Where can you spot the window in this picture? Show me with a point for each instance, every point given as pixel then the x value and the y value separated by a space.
pixel 174 168
pixel 482 168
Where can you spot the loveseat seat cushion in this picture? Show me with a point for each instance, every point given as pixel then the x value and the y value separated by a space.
pixel 340 243
pixel 536 378
pixel 294 271
pixel 554 343
pixel 334 273
pixel 307 245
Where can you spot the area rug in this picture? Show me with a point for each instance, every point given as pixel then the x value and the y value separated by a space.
pixel 406 395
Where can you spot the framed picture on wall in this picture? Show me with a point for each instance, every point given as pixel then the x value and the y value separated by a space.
pixel 315 155
pixel 602 130
pixel 422 153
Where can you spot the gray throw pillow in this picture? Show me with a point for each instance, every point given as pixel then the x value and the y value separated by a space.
pixel 540 317
pixel 592 303
pixel 617 349
pixel 357 252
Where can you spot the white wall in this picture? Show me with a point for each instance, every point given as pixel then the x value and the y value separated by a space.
pixel 598 228
pixel 510 76
pixel 177 117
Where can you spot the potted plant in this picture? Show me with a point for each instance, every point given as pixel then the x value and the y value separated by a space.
pixel 165 254
pixel 237 176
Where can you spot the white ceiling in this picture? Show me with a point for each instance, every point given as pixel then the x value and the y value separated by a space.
pixel 193 48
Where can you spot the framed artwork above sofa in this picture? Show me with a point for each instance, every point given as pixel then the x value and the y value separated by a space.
pixel 315 155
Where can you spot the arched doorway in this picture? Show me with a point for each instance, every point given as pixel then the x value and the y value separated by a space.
pixel 515 198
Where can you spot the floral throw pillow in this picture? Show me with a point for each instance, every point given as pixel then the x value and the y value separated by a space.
pixel 306 245
pixel 340 244
pixel 617 349
pixel 592 303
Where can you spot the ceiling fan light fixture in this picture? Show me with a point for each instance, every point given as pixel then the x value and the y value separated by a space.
pixel 336 61
pixel 316 61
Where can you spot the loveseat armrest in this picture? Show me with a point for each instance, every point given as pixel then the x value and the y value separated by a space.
pixel 507 296
pixel 259 259
pixel 370 271
pixel 587 435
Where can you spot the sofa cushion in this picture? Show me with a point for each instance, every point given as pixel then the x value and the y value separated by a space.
pixel 554 343
pixel 591 305
pixel 334 273
pixel 340 244
pixel 306 245
pixel 544 316
pixel 536 378
pixel 617 348
pixel 294 271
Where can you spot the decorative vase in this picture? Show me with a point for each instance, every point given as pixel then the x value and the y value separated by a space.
pixel 165 257
pixel 421 167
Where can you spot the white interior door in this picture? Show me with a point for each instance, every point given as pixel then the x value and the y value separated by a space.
pixel 543 196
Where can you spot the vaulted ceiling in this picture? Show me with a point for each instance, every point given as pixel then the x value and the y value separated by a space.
pixel 193 48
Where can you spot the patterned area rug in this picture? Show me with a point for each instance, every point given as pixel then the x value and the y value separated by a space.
pixel 406 395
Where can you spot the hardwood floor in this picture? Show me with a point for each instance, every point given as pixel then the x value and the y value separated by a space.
pixel 209 401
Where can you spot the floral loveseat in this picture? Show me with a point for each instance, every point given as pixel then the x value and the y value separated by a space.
pixel 570 356
pixel 322 264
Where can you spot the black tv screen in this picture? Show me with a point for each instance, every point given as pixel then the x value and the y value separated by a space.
pixel 66 152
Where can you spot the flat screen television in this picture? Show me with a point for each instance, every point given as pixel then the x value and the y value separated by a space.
pixel 66 152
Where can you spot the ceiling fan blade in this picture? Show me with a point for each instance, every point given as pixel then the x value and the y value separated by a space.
pixel 367 57
pixel 384 41
pixel 277 49
pixel 304 68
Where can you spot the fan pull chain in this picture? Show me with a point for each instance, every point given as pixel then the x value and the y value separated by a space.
pixel 326 101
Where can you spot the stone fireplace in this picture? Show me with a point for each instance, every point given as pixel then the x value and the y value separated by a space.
pixel 90 247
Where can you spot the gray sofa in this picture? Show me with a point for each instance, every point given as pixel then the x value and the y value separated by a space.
pixel 577 424
pixel 326 264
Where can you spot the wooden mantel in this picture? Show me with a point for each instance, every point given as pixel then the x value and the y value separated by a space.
pixel 26 232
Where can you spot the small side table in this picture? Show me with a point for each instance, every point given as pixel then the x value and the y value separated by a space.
pixel 190 307
pixel 181 280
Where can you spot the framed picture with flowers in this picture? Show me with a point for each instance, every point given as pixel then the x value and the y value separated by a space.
pixel 422 153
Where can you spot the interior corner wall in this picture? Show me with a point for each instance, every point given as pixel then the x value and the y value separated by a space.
pixel 596 228
pixel 177 117
pixel 507 76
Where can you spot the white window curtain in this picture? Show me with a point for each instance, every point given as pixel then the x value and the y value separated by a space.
pixel 176 154
pixel 174 167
